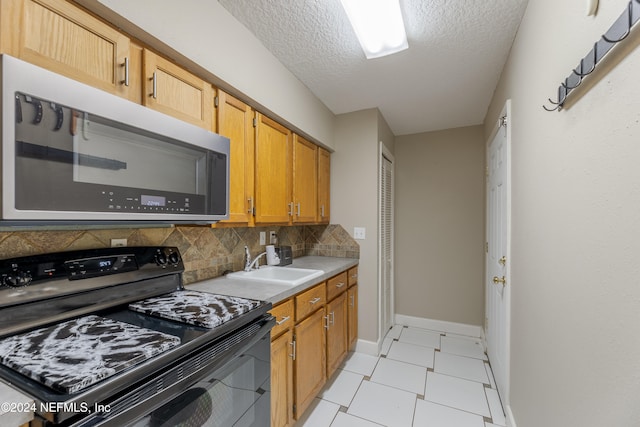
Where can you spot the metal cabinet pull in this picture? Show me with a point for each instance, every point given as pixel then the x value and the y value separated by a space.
pixel 314 301
pixel 250 211
pixel 290 209
pixel 326 323
pixel 333 318
pixel 298 209
pixel 354 276
pixel 154 79
pixel 353 300
pixel 284 319
pixel 293 350
pixel 339 285
pixel 322 211
pixel 126 72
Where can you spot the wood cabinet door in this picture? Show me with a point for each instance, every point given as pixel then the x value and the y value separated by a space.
pixel 310 372
pixel 336 333
pixel 305 180
pixel 58 36
pixel 272 172
pixel 235 121
pixel 324 186
pixel 172 90
pixel 352 317
pixel 282 380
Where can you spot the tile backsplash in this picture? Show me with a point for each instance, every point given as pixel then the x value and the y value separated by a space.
pixel 206 252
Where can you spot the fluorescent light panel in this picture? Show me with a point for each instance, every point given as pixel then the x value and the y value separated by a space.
pixel 378 25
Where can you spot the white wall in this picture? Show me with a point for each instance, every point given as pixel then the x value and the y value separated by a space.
pixel 204 33
pixel 354 201
pixel 440 225
pixel 576 223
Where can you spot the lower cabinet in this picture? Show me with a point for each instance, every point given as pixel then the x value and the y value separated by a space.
pixel 309 370
pixel 352 316
pixel 282 353
pixel 307 351
pixel 336 332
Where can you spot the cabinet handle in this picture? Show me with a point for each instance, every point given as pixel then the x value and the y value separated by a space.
pixel 333 318
pixel 314 301
pixel 154 79
pixel 322 211
pixel 251 208
pixel 354 276
pixel 339 285
pixel 290 209
pixel 126 72
pixel 298 209
pixel 293 350
pixel 353 301
pixel 284 319
pixel 326 323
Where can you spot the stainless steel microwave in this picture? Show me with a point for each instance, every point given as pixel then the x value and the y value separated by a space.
pixel 73 153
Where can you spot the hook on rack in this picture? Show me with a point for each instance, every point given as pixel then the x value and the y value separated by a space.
pixel 557 106
pixel 593 66
pixel 628 31
pixel 619 31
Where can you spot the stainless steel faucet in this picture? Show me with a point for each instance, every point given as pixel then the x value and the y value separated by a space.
pixel 250 264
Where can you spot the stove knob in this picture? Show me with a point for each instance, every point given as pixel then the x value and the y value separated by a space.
pixel 161 258
pixel 17 279
pixel 174 258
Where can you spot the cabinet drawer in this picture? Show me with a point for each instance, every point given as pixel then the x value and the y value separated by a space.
pixel 353 276
pixel 284 317
pixel 336 285
pixel 309 301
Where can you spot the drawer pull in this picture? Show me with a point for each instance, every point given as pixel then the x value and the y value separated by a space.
pixel 315 300
pixel 353 299
pixel 354 276
pixel 293 350
pixel 154 81
pixel 284 319
pixel 333 318
pixel 326 323
pixel 339 285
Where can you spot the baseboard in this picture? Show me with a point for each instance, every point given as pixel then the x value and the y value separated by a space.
pixel 511 421
pixel 368 347
pixel 440 325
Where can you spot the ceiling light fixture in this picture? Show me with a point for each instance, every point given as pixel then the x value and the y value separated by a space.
pixel 378 25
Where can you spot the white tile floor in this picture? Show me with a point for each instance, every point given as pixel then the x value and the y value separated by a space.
pixel 423 378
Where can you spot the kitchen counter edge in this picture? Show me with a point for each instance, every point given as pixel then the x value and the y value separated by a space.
pixel 274 292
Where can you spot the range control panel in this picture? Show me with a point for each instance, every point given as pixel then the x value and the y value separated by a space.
pixel 36 276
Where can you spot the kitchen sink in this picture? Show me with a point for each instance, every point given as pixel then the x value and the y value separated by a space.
pixel 283 275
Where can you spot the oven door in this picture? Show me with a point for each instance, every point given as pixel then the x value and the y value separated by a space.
pixel 231 387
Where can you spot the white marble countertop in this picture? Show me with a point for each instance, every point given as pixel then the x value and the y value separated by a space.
pixel 11 416
pixel 274 292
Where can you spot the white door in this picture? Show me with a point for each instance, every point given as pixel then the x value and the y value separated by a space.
pixel 498 288
pixel 386 241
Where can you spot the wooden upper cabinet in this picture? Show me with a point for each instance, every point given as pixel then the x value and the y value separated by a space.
pixel 305 180
pixel 272 171
pixel 60 37
pixel 235 121
pixel 172 90
pixel 324 186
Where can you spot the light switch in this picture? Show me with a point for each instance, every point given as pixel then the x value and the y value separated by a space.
pixel 359 233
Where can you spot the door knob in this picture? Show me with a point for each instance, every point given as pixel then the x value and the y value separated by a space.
pixel 503 261
pixel 500 280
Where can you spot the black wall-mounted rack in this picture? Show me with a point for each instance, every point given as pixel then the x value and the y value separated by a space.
pixel 619 31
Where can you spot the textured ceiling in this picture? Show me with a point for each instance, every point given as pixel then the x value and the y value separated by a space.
pixel 457 49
